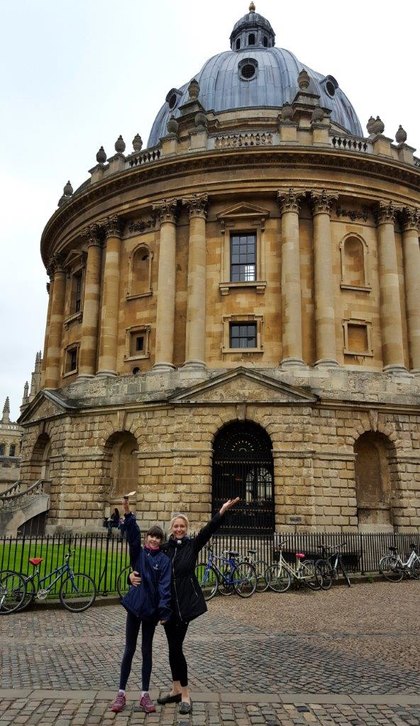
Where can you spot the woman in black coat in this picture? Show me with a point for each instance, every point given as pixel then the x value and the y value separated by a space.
pixel 187 601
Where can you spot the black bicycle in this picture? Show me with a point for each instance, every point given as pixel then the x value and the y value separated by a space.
pixel 331 564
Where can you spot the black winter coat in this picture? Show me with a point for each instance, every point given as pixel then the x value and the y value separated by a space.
pixel 188 600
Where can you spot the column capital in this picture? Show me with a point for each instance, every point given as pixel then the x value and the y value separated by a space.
pixel 112 226
pixel 289 201
pixel 322 201
pixel 385 213
pixel 92 235
pixel 56 264
pixel 410 218
pixel 166 210
pixel 197 205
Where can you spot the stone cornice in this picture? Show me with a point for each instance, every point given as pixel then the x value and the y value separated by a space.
pixel 283 157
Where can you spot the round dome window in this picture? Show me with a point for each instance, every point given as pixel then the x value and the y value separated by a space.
pixel 248 69
pixel 173 97
pixel 330 85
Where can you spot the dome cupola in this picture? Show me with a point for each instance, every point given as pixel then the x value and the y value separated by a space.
pixel 252 31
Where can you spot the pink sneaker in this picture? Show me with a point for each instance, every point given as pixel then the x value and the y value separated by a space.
pixel 146 704
pixel 119 703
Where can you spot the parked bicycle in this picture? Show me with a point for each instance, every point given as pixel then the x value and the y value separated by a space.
pixel 393 568
pixel 12 591
pixel 123 584
pixel 260 567
pixel 331 564
pixel 226 574
pixel 280 575
pixel 77 591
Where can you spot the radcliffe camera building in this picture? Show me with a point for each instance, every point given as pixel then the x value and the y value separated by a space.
pixel 234 310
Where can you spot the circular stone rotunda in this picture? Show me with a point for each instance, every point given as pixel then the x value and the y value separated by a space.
pixel 235 310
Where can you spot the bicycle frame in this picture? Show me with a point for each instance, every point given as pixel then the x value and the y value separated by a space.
pixel 297 571
pixel 60 571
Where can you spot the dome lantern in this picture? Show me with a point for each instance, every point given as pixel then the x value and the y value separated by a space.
pixel 252 31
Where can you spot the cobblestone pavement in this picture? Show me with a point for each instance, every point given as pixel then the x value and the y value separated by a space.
pixel 348 656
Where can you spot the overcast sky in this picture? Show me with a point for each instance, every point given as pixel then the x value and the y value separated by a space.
pixel 75 74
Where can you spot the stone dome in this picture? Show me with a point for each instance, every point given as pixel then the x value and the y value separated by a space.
pixel 256 74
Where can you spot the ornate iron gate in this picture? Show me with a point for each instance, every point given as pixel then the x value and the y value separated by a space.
pixel 243 467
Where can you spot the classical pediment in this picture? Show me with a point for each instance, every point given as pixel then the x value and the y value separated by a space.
pixel 244 386
pixel 243 211
pixel 46 404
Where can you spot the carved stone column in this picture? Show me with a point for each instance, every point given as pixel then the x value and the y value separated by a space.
pixel 291 293
pixel 390 304
pixel 326 353
pixel 411 249
pixel 54 334
pixel 107 365
pixel 195 349
pixel 89 341
pixel 165 312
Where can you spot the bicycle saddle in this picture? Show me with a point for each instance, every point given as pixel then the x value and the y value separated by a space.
pixel 300 556
pixel 36 560
pixel 393 549
pixel 233 554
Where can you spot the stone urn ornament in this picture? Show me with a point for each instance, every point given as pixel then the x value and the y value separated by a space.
pixel 303 80
pixel 172 125
pixel 286 112
pixel 137 143
pixel 101 156
pixel 370 125
pixel 401 135
pixel 193 90
pixel 120 145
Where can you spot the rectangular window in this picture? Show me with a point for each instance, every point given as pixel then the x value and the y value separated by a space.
pixel 76 302
pixel 243 335
pixel 243 257
pixel 12 450
pixel 137 344
pixel 71 359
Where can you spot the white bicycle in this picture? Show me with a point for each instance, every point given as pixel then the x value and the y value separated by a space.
pixel 393 568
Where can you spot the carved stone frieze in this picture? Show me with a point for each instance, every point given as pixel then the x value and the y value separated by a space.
pixel 141 225
pixel 323 201
pixel 233 141
pixel 289 201
pixel 197 205
pixel 353 214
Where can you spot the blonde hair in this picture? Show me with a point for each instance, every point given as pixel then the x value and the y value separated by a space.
pixel 178 516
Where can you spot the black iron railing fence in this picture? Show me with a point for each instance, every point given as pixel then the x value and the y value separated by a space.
pixel 103 556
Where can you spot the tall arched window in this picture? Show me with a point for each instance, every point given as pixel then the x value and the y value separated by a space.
pixel 243 467
pixel 124 463
pixel 374 486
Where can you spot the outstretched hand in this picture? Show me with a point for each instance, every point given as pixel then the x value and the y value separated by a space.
pixel 228 505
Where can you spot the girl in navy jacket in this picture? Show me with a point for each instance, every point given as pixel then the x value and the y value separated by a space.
pixel 147 603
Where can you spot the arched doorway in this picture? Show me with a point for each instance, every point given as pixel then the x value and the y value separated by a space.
pixel 123 449
pixel 243 467
pixel 40 460
pixel 374 486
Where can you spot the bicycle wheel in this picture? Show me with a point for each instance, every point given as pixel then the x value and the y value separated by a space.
pixel 29 596
pixel 311 576
pixel 78 592
pixel 226 580
pixel 324 570
pixel 122 583
pixel 278 578
pixel 207 579
pixel 415 569
pixel 12 591
pixel 389 567
pixel 260 568
pixel 244 579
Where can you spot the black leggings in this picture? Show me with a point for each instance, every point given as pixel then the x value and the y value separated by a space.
pixel 132 628
pixel 175 633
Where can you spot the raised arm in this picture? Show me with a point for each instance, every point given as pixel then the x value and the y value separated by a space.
pixel 132 531
pixel 211 527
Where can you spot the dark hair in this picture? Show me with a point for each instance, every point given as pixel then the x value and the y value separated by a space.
pixel 156 531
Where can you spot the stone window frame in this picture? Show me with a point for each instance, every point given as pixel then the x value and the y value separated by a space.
pixel 242 220
pixel 366 287
pixel 75 269
pixel 243 318
pixel 361 324
pixel 135 296
pixel 137 331
pixel 68 351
